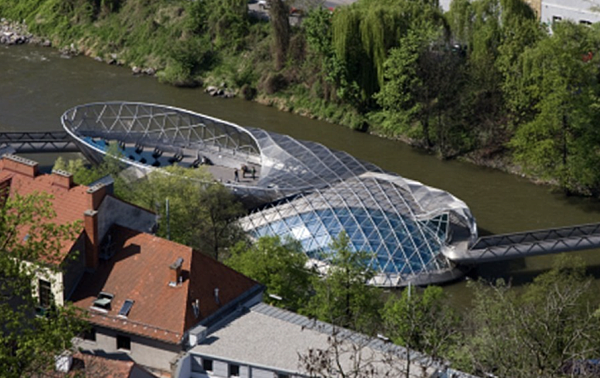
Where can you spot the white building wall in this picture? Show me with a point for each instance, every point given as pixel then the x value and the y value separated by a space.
pixel 574 10
pixel 191 367
pixel 262 373
pixel 149 353
pixel 220 369
pixel 55 279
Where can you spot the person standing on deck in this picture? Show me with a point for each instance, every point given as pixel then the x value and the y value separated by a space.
pixel 236 176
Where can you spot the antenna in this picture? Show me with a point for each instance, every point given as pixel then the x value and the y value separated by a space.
pixel 168 220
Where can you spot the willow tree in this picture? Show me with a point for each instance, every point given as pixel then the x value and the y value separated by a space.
pixel 364 33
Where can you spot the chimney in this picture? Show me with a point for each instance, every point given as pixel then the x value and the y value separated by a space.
pixel 20 165
pixel 63 362
pixel 96 194
pixel 175 268
pixel 92 241
pixel 62 179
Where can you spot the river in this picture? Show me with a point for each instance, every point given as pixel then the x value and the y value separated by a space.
pixel 37 85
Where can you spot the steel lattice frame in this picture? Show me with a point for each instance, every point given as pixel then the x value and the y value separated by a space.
pixel 307 190
pixel 531 243
pixel 34 142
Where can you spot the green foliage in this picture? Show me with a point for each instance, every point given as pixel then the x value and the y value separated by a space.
pixel 561 85
pixel 202 213
pixel 379 26
pixel 28 343
pixel 187 59
pixel 281 267
pixel 85 174
pixel 423 92
pixel 280 24
pixel 341 296
pixel 538 331
pixel 422 320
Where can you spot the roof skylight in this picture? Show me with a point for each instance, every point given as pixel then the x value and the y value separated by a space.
pixel 126 308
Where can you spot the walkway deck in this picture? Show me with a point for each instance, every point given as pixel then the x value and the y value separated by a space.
pixel 532 243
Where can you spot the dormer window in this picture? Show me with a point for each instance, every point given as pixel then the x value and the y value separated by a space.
pixel 102 303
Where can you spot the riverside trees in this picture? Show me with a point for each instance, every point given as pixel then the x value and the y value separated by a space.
pixel 481 80
pixel 29 343
pixel 547 330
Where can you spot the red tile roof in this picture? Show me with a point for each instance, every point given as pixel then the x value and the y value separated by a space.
pixel 68 204
pixel 139 270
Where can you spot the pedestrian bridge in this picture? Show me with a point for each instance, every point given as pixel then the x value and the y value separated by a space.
pixel 531 243
pixel 36 142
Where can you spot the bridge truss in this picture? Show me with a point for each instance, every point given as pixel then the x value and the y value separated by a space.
pixel 525 244
pixel 36 142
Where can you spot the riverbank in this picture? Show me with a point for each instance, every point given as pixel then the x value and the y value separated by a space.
pixel 308 70
pixel 18 33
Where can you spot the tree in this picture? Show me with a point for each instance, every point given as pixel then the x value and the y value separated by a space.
pixel 560 78
pixel 422 321
pixel 280 266
pixel 362 36
pixel 201 212
pixel 342 296
pixel 28 343
pixel 422 91
pixel 551 324
pixel 85 174
pixel 279 13
pixel 349 354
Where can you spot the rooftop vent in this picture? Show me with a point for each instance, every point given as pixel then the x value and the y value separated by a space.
pixel 217 296
pixel 102 303
pixel 175 268
pixel 124 312
pixel 197 335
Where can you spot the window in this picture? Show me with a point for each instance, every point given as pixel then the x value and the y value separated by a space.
pixel 126 308
pixel 283 375
pixel 102 303
pixel 207 364
pixel 556 18
pixel 90 334
pixel 234 370
pixel 45 293
pixel 585 22
pixel 123 342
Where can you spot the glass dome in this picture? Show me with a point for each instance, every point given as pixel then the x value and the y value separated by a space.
pixel 303 189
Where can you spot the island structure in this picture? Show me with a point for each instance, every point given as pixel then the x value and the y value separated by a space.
pixel 292 188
